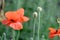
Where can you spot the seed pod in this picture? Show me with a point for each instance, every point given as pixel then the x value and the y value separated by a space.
pixel 35 14
pixel 58 20
pixel 39 8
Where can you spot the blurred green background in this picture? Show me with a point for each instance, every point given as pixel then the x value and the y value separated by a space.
pixel 48 16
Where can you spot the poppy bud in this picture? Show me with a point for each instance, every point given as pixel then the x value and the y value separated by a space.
pixel 35 14
pixel 39 8
pixel 58 20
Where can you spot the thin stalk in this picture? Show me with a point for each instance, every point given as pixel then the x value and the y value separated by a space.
pixel 34 28
pixel 13 35
pixel 3 37
pixel 3 4
pixel 17 37
pixel 59 25
pixel 38 26
pixel 2 11
pixel 0 37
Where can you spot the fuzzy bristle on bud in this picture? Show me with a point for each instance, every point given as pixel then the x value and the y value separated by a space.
pixel 58 20
pixel 39 8
pixel 35 14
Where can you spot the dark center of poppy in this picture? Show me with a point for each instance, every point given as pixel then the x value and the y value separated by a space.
pixel 12 20
pixel 56 31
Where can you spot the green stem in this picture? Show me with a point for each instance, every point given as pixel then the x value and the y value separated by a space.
pixel 34 29
pixel 3 37
pixel 39 26
pixel 59 25
pixel 13 35
pixel 18 35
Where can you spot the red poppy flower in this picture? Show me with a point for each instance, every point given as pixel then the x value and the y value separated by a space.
pixel 58 33
pixel 53 32
pixel 22 18
pixel 14 19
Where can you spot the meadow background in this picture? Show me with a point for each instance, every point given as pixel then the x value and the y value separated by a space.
pixel 47 18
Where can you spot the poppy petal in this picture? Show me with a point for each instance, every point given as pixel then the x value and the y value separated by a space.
pixel 6 22
pixel 16 26
pixel 52 36
pixel 25 19
pixel 58 33
pixel 52 30
pixel 12 15
pixel 20 12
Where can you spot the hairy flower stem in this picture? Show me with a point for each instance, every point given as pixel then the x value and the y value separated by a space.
pixel 34 28
pixel 18 34
pixel 3 36
pixel 13 35
pixel 38 26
